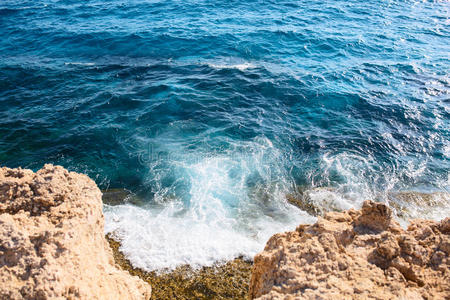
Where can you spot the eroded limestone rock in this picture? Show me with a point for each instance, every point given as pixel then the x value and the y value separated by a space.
pixel 52 243
pixel 356 254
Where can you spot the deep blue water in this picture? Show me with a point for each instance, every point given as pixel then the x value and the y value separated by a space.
pixel 213 111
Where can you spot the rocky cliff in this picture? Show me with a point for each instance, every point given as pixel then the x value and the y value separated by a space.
pixel 52 243
pixel 356 254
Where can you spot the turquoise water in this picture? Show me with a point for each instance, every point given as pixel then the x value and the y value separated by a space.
pixel 213 111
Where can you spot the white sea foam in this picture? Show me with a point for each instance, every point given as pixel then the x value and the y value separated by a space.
pixel 76 63
pixel 360 179
pixel 235 200
pixel 156 241
pixel 219 63
pixel 233 207
pixel 238 66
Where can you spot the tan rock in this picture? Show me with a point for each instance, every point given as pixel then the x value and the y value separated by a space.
pixel 52 244
pixel 356 254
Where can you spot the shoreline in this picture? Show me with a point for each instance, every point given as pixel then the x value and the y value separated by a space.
pixel 223 281
pixel 53 245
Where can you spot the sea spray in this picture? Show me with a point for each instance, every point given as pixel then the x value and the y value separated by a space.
pixel 236 201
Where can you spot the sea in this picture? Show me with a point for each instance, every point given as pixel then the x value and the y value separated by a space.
pixel 210 115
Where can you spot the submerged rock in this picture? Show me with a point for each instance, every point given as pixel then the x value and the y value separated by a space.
pixel 410 204
pixel 356 254
pixel 317 201
pixel 52 243
pixel 115 196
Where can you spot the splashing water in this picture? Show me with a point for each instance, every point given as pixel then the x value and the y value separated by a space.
pixel 234 204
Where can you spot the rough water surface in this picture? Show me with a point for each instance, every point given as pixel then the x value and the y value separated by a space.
pixel 213 113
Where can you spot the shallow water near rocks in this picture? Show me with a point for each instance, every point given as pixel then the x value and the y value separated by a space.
pixel 212 113
pixel 225 281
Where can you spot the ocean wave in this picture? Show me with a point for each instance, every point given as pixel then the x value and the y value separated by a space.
pixel 76 63
pixel 239 66
pixel 232 205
